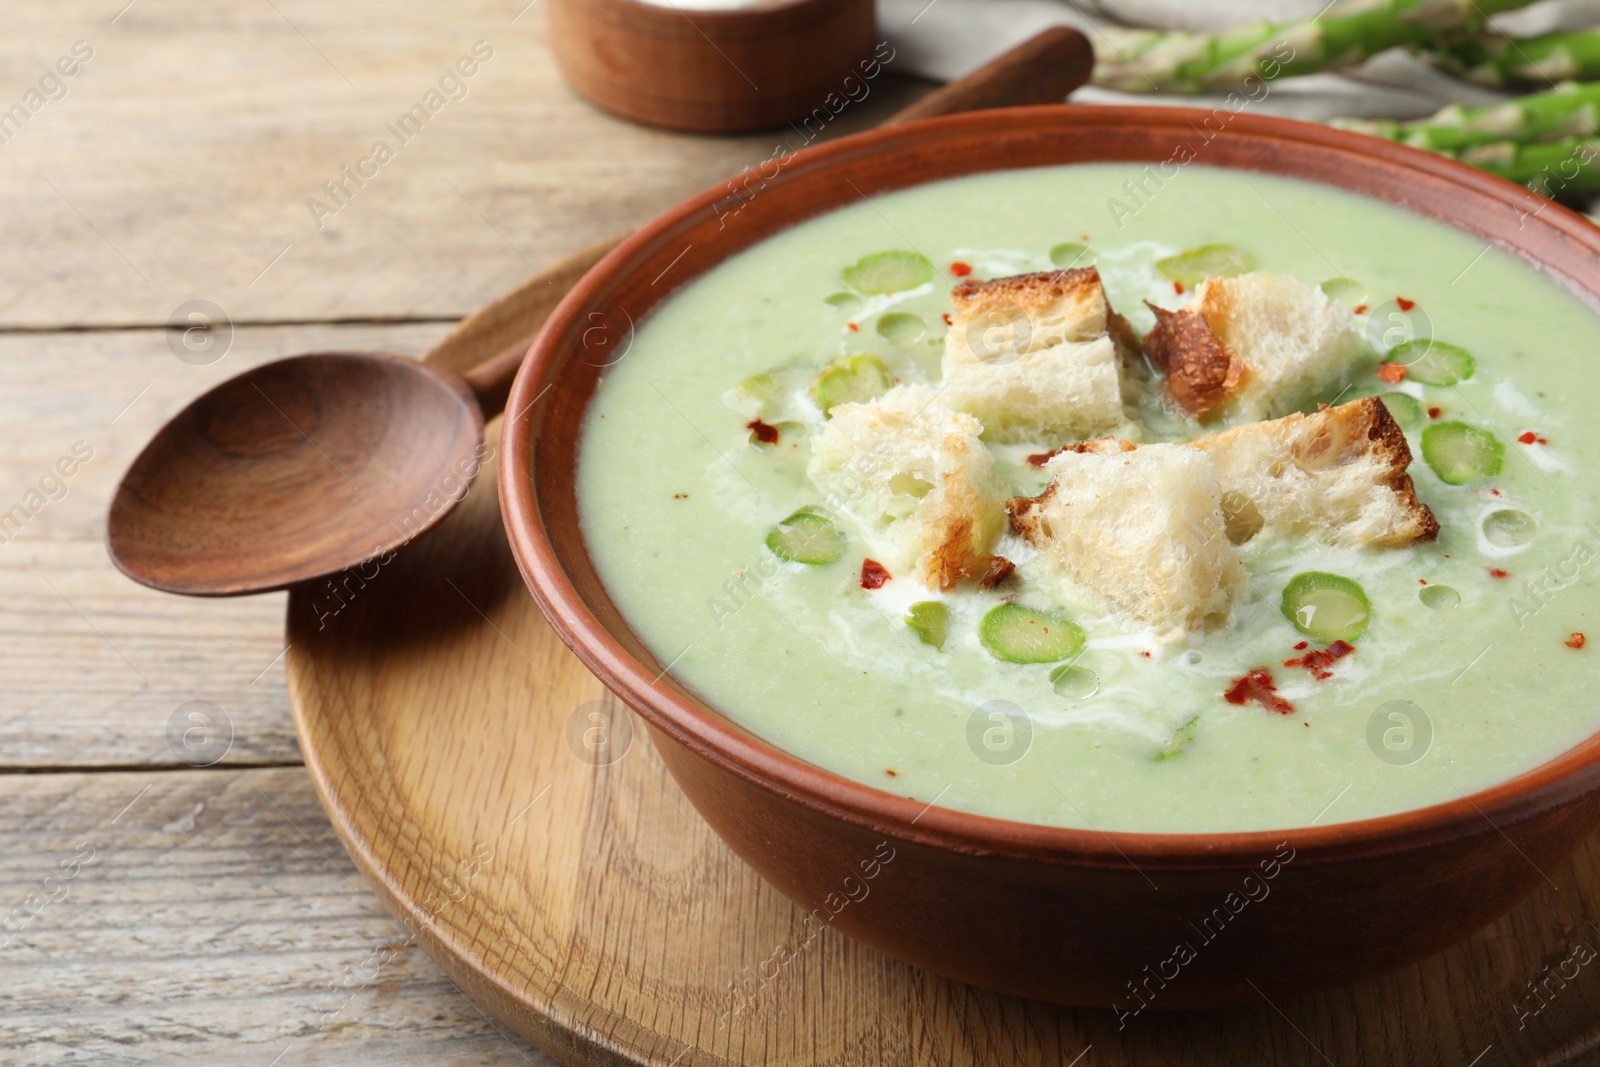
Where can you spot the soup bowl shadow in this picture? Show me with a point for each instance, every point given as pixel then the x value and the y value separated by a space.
pixel 1114 920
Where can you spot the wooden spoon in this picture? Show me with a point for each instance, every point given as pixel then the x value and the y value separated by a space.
pixel 312 465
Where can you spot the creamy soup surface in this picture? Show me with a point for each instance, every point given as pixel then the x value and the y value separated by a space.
pixel 1467 672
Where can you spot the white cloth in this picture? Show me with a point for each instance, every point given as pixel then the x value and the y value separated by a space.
pixel 944 39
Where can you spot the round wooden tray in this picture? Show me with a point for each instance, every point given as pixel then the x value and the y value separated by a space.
pixel 516 819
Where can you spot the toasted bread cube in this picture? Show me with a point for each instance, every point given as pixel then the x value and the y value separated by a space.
pixel 1339 474
pixel 1038 356
pixel 1253 347
pixel 916 478
pixel 1141 528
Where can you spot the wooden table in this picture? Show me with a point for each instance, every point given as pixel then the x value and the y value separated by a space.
pixel 157 911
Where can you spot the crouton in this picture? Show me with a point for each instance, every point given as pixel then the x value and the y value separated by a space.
pixel 1039 356
pixel 1339 474
pixel 1141 528
pixel 916 478
pixel 1253 347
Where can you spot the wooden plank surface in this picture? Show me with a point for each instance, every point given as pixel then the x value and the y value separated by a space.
pixel 209 917
pixel 182 161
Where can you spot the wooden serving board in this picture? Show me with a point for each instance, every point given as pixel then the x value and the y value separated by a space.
pixel 517 821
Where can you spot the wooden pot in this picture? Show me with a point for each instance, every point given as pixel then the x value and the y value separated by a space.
pixel 1067 915
pixel 716 71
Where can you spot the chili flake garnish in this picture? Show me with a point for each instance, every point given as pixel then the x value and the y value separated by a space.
pixel 873 574
pixel 960 270
pixel 853 327
pixel 1405 305
pixel 1258 686
pixel 891 772
pixel 1177 287
pixel 1496 572
pixel 1318 662
pixel 766 434
pixel 1361 309
pixel 947 320
pixel 1393 373
pixel 1302 646
pixel 1577 640
pixel 1434 413
pixel 1528 438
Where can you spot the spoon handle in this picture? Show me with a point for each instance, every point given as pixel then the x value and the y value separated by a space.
pixel 1044 69
pixel 490 381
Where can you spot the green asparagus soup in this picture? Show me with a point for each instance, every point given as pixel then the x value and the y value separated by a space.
pixel 1347 682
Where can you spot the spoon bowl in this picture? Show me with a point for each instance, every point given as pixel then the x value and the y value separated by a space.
pixel 295 469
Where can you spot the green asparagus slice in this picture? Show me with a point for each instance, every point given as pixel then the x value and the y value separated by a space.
pixel 930 621
pixel 1433 362
pixel 1195 265
pixel 888 272
pixel 1022 635
pixel 807 536
pixel 1405 409
pixel 1459 453
pixel 1326 607
pixel 1152 61
pixel 1182 737
pixel 851 380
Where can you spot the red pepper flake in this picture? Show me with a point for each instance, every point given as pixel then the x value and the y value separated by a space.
pixel 1575 641
pixel 1145 654
pixel 1405 305
pixel 1422 581
pixel 1496 572
pixel 873 574
pixel 1361 309
pixel 960 270
pixel 1302 646
pixel 853 327
pixel 1528 438
pixel 1434 413
pixel 891 772
pixel 767 435
pixel 1544 440
pixel 1393 373
pixel 1177 287
pixel 1258 686
pixel 1318 662
pixel 1039 459
pixel 947 320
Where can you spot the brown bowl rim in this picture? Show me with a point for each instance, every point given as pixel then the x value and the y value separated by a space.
pixel 695 725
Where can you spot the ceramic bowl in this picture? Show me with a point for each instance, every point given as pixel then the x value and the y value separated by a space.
pixel 717 70
pixel 1122 920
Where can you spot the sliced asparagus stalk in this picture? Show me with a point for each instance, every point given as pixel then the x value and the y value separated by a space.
pixel 1067 255
pixel 901 328
pixel 851 380
pixel 1017 634
pixel 1432 362
pixel 888 272
pixel 930 621
pixel 1208 261
pixel 1326 607
pixel 1182 737
pixel 807 536
pixel 1152 61
pixel 1405 409
pixel 1460 453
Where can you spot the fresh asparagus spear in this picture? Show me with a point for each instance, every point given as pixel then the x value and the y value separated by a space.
pixel 1569 110
pixel 1494 59
pixel 1346 33
pixel 1571 165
